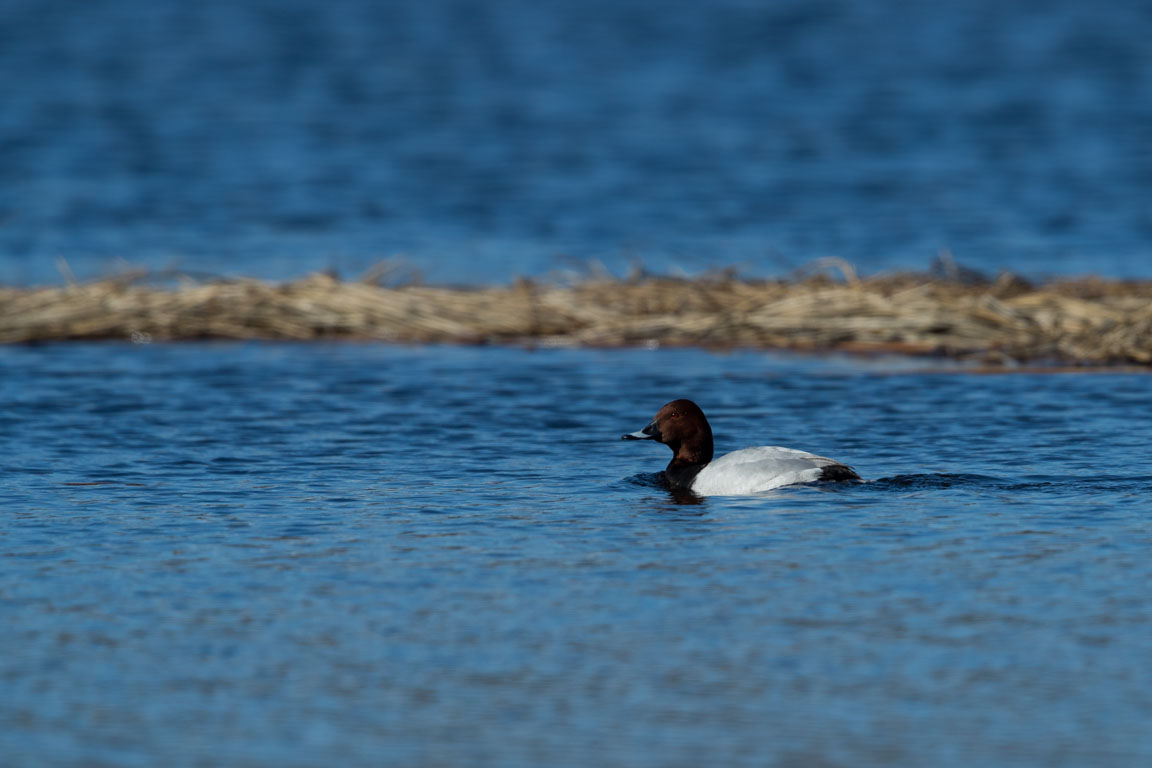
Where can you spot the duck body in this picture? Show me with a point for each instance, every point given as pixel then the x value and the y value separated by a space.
pixel 682 426
pixel 763 468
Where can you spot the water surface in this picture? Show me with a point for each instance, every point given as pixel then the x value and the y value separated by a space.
pixel 258 554
pixel 484 140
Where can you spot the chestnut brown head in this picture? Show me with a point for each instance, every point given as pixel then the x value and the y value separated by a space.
pixel 681 426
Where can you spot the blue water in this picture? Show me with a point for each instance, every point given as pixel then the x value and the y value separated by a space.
pixel 479 141
pixel 305 555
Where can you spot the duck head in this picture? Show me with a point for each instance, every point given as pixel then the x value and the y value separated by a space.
pixel 681 426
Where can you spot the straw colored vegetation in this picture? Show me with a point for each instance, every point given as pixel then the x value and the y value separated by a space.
pixel 1086 321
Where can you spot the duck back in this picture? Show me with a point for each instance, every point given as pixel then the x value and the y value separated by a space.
pixel 763 468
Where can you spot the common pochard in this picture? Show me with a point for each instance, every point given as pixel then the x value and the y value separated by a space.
pixel 682 426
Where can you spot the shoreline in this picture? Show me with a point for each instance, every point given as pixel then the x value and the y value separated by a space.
pixel 1070 322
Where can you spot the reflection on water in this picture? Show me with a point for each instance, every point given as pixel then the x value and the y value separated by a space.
pixel 338 554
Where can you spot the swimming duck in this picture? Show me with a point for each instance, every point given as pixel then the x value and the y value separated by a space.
pixel 682 426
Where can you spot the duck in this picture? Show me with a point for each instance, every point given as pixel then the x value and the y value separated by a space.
pixel 682 426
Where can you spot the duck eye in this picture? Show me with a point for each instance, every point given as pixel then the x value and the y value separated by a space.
pixel 675 415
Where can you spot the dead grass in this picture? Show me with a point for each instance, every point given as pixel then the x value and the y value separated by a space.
pixel 1079 322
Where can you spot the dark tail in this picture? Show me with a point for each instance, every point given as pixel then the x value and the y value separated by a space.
pixel 838 473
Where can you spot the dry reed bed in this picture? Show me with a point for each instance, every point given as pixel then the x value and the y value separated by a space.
pixel 1085 321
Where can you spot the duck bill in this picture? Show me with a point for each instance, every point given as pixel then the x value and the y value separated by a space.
pixel 650 432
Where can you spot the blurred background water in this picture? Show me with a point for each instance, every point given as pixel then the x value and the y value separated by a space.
pixel 485 140
pixel 257 554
